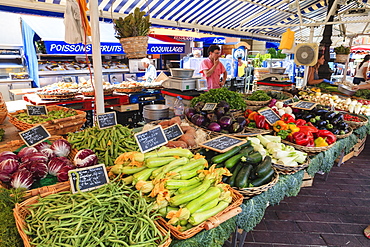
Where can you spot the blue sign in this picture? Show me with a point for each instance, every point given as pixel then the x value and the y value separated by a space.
pixel 61 47
pixel 239 52
pixel 212 40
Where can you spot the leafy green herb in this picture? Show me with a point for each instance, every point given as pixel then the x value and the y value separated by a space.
pixel 363 93
pixel 258 95
pixel 234 99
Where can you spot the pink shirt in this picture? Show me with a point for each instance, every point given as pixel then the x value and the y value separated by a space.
pixel 213 81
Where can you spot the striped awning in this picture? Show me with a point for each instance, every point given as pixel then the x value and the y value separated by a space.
pixel 258 19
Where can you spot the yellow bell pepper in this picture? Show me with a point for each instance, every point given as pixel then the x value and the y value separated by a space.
pixel 293 128
pixel 320 142
pixel 280 125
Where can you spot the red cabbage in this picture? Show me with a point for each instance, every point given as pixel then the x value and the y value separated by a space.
pixel 85 157
pixel 22 179
pixel 57 163
pixel 48 153
pixel 82 154
pixel 61 148
pixel 27 150
pixel 8 167
pixel 5 177
pixel 34 157
pixel 39 170
pixel 42 145
pixel 8 155
pixel 63 173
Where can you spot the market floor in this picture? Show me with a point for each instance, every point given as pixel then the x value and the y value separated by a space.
pixel 330 213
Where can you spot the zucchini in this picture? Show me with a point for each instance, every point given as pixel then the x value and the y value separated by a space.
pixel 231 180
pixel 241 180
pixel 187 188
pixel 191 165
pixel 222 157
pixel 263 180
pixel 191 173
pixel 143 175
pixel 264 167
pixel 176 152
pixel 191 194
pixel 233 161
pixel 209 195
pixel 253 158
pixel 209 205
pixel 247 150
pixel 197 218
pixel 175 184
pixel 158 161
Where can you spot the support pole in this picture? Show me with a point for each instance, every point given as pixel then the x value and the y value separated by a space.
pixel 96 55
pixel 346 66
pixel 305 76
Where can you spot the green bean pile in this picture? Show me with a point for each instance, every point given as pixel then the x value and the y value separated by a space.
pixel 107 144
pixel 113 215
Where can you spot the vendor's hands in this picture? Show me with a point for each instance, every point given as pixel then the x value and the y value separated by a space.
pixel 356 87
pixel 221 83
pixel 327 81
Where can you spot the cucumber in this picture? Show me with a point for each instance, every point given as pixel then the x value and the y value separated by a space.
pixel 253 158
pixel 235 150
pixel 241 180
pixel 264 167
pixel 263 180
pixel 231 162
pixel 231 180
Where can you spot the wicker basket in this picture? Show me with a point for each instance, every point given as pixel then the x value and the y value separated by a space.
pixel 237 200
pixel 282 169
pixel 308 149
pixel 257 103
pixel 290 96
pixel 21 212
pixel 253 191
pixel 55 127
pixel 356 125
pixel 135 47
pixel 14 145
pixel 254 107
pixel 345 135
pixel 129 90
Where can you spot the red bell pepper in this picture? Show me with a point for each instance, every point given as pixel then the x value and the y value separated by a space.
pixel 267 126
pixel 300 122
pixel 303 139
pixel 308 129
pixel 310 124
pixel 247 112
pixel 329 137
pixel 287 118
pixel 260 121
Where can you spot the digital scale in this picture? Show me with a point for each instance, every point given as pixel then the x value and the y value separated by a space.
pixel 274 77
pixel 184 84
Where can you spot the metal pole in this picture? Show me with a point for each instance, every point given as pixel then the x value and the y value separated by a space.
pixel 346 66
pixel 96 55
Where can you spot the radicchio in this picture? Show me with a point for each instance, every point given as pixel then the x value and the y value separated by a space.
pixel 61 148
pixel 85 157
pixel 63 173
pixel 39 170
pixel 42 146
pixel 8 155
pixel 7 168
pixel 22 179
pixel 27 150
pixel 57 163
pixel 39 157
pixel 48 153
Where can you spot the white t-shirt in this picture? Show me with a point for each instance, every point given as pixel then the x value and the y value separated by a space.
pixel 150 73
pixel 360 72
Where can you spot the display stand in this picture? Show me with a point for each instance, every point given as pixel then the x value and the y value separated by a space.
pixel 237 238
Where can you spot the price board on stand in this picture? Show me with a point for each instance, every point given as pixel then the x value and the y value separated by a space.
pixel 173 132
pixel 34 135
pixel 151 139
pixel 209 106
pixel 288 101
pixel 35 110
pixel 304 105
pixel 270 115
pixel 222 143
pixel 88 178
pixel 107 120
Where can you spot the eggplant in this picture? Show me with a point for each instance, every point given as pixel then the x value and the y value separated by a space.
pixel 337 118
pixel 189 112
pixel 214 127
pixel 212 117
pixel 342 125
pixel 199 106
pixel 335 131
pixel 235 127
pixel 308 116
pixel 321 123
pixel 220 112
pixel 225 121
pixel 321 111
pixel 241 121
pixel 198 119
pixel 322 128
pixel 224 104
pixel 329 115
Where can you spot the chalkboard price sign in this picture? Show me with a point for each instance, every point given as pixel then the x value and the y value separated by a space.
pixel 34 135
pixel 209 106
pixel 270 115
pixel 222 143
pixel 107 120
pixel 88 178
pixel 288 101
pixel 173 132
pixel 34 110
pixel 305 105
pixel 151 139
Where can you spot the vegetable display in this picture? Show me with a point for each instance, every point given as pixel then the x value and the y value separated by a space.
pixel 184 192
pixel 234 99
pixel 258 95
pixel 107 144
pixel 52 115
pixel 113 215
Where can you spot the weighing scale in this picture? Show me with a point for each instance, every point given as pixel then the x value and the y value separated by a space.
pixel 274 77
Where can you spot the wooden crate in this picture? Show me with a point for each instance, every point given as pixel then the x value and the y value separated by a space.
pixel 345 157
pixel 357 149
pixel 307 180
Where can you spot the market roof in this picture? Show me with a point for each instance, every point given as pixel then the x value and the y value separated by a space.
pixel 258 19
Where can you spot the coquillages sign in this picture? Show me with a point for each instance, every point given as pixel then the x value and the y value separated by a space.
pixel 60 47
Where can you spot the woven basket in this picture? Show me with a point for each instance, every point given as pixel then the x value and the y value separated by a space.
pixel 55 127
pixel 253 191
pixel 308 149
pixel 282 169
pixel 135 47
pixel 256 103
pixel 290 96
pixel 341 58
pixel 356 125
pixel 254 107
pixel 3 109
pixel 345 135
pixel 129 90
pixel 236 202
pixel 14 145
pixel 21 212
